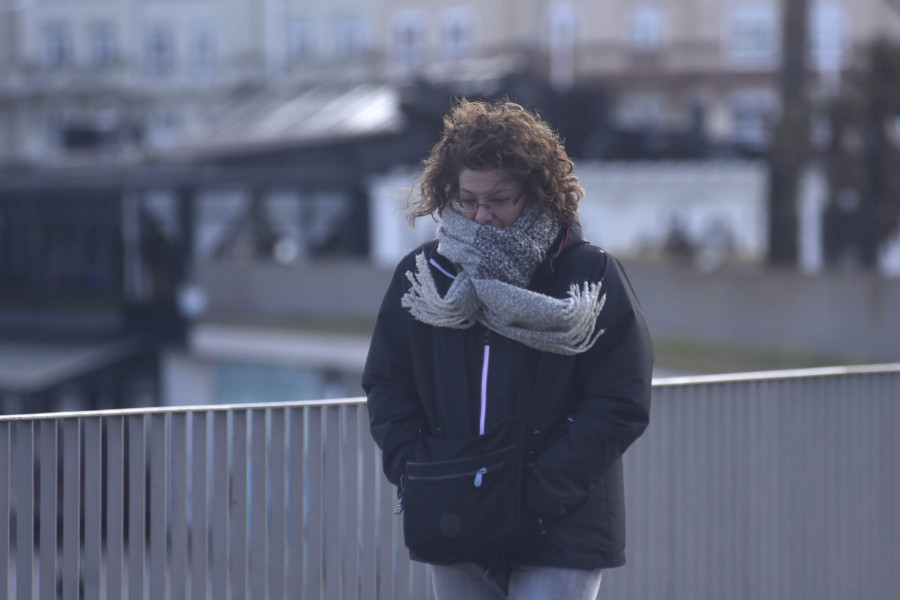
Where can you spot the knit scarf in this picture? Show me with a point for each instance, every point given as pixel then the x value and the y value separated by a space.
pixel 494 266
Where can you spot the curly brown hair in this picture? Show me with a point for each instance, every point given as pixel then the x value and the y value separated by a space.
pixel 501 136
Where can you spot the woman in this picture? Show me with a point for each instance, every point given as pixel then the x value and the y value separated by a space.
pixel 511 314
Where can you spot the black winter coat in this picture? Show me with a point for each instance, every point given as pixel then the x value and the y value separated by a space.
pixel 585 410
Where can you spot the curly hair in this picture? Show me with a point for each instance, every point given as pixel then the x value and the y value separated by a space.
pixel 501 136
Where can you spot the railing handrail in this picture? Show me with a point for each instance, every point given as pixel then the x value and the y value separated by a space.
pixel 779 374
pixel 150 410
pixel 657 382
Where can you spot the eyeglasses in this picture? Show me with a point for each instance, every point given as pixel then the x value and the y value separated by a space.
pixel 470 207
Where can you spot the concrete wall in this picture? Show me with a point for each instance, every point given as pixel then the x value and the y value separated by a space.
pixel 839 313
pixel 338 289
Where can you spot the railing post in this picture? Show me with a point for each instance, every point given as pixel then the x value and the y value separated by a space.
pixel 115 507
pixel 259 504
pixel 24 491
pixel 5 507
pixel 331 559
pixel 93 507
pixel 314 576
pixel 238 506
pixel 178 466
pixel 199 535
pixel 71 512
pixel 49 510
pixel 296 545
pixel 277 480
pixel 220 499
pixel 137 471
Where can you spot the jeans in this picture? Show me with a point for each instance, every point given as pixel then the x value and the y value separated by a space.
pixel 469 582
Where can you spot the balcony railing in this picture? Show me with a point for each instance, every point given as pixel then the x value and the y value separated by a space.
pixel 769 485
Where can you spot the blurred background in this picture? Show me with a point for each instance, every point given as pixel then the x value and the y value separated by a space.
pixel 199 199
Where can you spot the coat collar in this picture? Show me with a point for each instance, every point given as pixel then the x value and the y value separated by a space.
pixel 570 236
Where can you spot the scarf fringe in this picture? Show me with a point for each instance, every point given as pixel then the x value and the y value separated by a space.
pixel 567 326
pixel 573 331
pixel 427 305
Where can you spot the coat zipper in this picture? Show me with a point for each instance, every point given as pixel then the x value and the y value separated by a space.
pixel 477 475
pixel 477 480
pixel 482 417
pixel 485 364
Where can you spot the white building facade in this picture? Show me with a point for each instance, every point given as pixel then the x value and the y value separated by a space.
pixel 79 76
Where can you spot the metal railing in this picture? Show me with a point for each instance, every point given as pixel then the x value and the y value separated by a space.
pixel 770 485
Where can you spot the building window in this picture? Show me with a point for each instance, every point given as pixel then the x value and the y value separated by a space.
pixel 752 115
pixel 102 45
pixel 826 33
pixel 409 38
pixel 642 111
pixel 559 39
pixel 57 46
pixel 301 40
pixel 203 49
pixel 457 33
pixel 159 51
pixel 163 127
pixel 645 23
pixel 350 37
pixel 55 127
pixel 752 36
pixel 559 26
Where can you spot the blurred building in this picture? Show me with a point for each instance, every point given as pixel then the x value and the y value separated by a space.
pixel 187 187
pixel 113 77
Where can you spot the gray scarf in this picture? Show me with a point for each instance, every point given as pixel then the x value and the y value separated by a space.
pixel 494 267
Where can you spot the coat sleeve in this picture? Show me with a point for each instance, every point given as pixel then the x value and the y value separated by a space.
pixel 395 413
pixel 613 383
